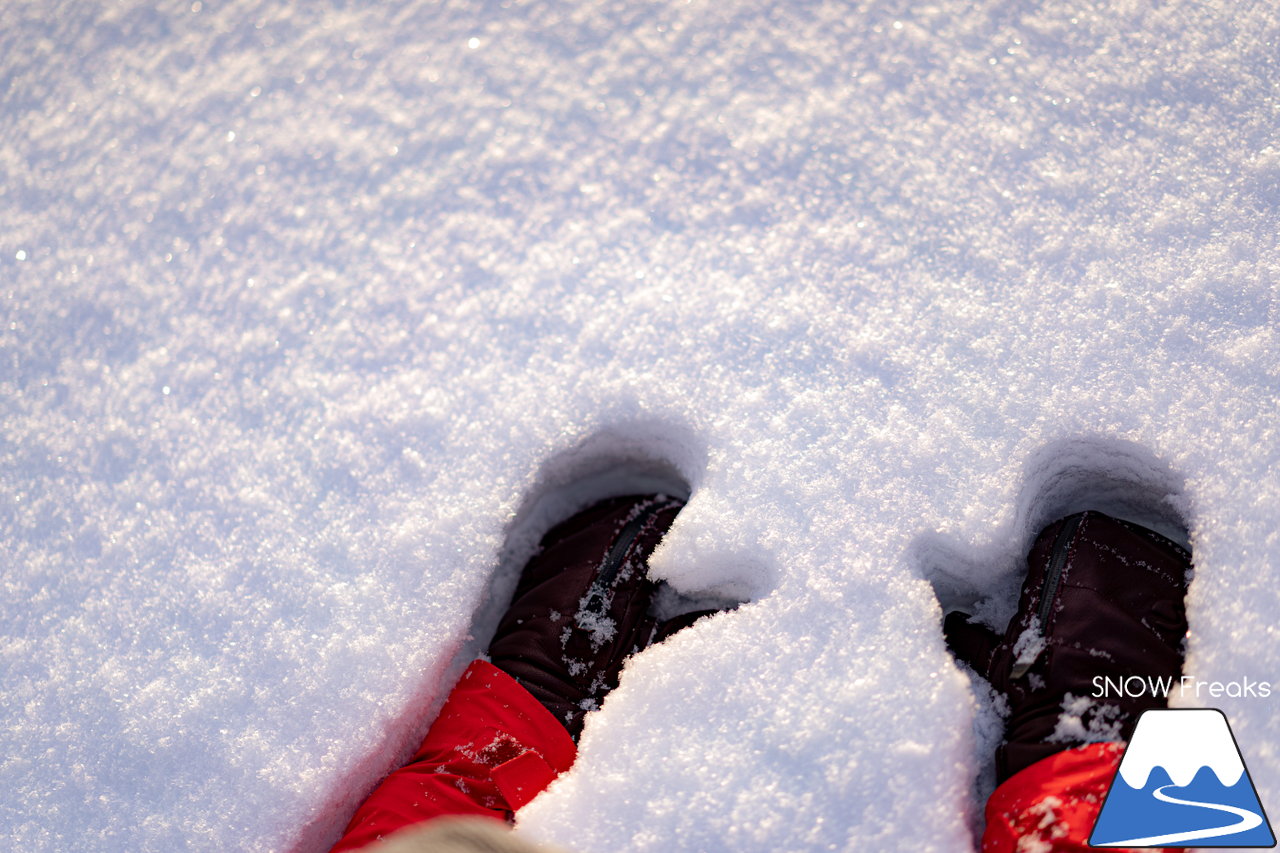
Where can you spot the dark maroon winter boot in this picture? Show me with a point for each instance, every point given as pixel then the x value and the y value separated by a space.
pixel 1103 598
pixel 582 605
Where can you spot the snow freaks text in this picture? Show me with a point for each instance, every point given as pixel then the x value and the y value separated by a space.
pixel 1135 686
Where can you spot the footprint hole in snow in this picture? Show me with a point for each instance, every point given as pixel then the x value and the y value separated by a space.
pixel 1118 477
pixel 1115 476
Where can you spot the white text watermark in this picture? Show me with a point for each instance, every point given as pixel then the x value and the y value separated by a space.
pixel 1137 686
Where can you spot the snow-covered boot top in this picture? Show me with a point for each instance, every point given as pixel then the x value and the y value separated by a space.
pixel 1103 599
pixel 582 605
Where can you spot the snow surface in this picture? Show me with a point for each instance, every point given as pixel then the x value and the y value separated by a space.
pixel 304 307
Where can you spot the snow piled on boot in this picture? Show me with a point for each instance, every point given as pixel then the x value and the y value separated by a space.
pixel 302 301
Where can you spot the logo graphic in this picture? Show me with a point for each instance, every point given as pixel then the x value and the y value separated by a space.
pixel 1182 780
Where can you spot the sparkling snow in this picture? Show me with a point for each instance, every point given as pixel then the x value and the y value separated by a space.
pixel 304 308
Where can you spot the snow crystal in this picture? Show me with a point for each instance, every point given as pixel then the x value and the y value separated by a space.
pixel 1085 720
pixel 1030 643
pixel 1049 827
pixel 882 288
pixel 600 629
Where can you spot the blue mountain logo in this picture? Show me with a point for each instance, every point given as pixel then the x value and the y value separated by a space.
pixel 1182 780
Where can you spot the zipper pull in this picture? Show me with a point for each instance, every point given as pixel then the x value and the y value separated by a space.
pixel 1028 648
pixel 1031 643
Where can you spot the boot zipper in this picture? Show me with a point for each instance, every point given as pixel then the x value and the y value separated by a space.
pixel 1052 579
pixel 613 562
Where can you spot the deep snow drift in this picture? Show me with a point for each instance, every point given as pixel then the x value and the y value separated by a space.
pixel 303 309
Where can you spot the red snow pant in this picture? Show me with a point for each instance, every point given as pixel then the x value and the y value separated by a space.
pixel 1052 805
pixel 494 748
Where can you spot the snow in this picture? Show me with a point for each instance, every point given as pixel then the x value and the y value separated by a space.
pixel 305 307
pixel 1103 726
pixel 1050 827
pixel 1028 647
